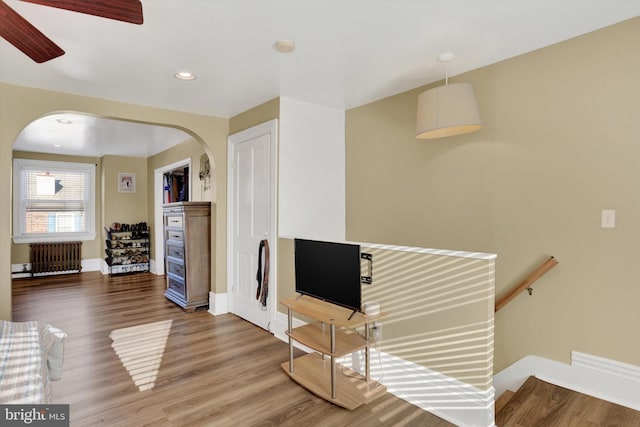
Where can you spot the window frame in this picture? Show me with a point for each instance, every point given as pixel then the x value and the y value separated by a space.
pixel 18 199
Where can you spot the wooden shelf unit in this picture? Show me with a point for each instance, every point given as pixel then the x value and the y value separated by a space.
pixel 332 334
pixel 317 335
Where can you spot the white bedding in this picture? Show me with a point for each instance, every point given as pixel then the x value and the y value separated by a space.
pixel 31 355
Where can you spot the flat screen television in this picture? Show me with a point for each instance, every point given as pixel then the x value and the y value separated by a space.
pixel 329 271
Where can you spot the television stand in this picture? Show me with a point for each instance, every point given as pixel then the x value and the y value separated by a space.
pixel 331 334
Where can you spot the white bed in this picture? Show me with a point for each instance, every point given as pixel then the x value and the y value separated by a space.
pixel 31 355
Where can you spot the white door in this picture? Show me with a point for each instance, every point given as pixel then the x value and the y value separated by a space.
pixel 251 217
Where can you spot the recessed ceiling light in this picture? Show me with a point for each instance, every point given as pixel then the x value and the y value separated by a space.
pixel 284 46
pixel 185 75
pixel 446 57
pixel 57 145
pixel 64 121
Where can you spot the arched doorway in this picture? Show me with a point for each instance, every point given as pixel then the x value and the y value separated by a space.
pixel 107 141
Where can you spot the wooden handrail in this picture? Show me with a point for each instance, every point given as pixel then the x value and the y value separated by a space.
pixel 526 283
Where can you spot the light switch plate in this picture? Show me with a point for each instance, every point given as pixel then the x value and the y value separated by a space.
pixel 608 218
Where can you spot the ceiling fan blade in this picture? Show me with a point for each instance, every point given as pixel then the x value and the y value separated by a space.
pixel 20 33
pixel 120 10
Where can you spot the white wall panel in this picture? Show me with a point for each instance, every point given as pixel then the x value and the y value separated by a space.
pixel 311 171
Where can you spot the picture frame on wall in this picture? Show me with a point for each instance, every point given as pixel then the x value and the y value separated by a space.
pixel 126 182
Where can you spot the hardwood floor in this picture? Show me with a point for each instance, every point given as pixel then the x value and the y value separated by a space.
pixel 539 403
pixel 190 369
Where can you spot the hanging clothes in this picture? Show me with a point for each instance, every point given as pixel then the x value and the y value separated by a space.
pixel 263 279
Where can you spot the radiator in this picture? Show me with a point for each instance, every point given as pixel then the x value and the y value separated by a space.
pixel 56 257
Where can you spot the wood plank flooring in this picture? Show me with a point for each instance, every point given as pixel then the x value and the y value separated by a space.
pixel 539 403
pixel 502 401
pixel 203 370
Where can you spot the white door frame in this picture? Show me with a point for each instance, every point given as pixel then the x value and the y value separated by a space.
pixel 267 128
pixel 158 200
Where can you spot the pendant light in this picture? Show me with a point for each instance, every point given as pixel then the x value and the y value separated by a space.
pixel 447 110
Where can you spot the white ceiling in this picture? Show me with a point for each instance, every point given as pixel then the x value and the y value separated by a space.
pixel 348 52
pixel 86 135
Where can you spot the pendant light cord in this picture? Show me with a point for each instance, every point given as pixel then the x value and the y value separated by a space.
pixel 446 74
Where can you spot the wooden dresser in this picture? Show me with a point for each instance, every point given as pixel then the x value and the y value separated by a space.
pixel 187 246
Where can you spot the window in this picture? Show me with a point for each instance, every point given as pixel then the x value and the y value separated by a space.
pixel 53 201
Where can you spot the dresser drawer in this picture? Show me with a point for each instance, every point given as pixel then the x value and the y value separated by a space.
pixel 175 268
pixel 175 251
pixel 175 284
pixel 175 235
pixel 174 221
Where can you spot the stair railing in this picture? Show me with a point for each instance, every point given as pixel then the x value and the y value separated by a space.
pixel 526 283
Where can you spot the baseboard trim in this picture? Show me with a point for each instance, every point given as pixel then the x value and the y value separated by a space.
pixel 595 376
pixel 446 397
pixel 607 366
pixel 24 270
pixel 91 264
pixel 218 303
pixel 153 266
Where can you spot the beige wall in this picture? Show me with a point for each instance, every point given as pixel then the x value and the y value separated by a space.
pixel 260 114
pixel 286 271
pixel 124 208
pixel 90 248
pixel 561 143
pixel 439 310
pixel 19 106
